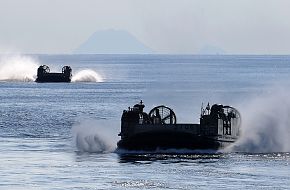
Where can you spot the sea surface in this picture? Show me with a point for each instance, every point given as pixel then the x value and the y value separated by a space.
pixel 63 136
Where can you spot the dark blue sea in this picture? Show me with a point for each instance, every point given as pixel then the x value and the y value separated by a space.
pixel 64 135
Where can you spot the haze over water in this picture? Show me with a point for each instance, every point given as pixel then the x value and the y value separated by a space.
pixel 63 136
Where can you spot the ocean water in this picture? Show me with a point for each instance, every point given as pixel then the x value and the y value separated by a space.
pixel 63 136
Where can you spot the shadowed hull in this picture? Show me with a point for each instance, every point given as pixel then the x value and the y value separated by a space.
pixel 168 140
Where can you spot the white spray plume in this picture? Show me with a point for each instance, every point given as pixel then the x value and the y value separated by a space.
pixel 265 124
pixel 95 136
pixel 87 75
pixel 17 68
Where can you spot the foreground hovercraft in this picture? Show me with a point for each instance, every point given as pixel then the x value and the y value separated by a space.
pixel 44 75
pixel 158 130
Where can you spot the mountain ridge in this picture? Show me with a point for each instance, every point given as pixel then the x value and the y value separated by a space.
pixel 112 42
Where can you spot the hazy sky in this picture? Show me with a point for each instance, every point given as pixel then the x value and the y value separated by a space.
pixel 167 26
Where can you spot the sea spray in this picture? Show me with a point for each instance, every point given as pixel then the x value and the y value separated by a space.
pixel 265 124
pixel 87 75
pixel 95 136
pixel 17 68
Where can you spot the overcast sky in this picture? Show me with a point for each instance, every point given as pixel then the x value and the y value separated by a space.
pixel 167 26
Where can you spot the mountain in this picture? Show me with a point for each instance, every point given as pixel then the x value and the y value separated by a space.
pixel 112 42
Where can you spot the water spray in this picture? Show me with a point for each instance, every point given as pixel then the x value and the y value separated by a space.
pixel 87 75
pixel 95 136
pixel 265 124
pixel 18 68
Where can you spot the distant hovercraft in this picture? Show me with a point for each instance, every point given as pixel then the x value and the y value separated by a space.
pixel 158 130
pixel 44 75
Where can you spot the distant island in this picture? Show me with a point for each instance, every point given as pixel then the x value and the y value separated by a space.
pixel 211 50
pixel 112 42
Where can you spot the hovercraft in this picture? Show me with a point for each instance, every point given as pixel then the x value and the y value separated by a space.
pixel 158 130
pixel 44 74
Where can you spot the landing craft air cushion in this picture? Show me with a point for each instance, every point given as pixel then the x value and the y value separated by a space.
pixel 44 74
pixel 158 130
